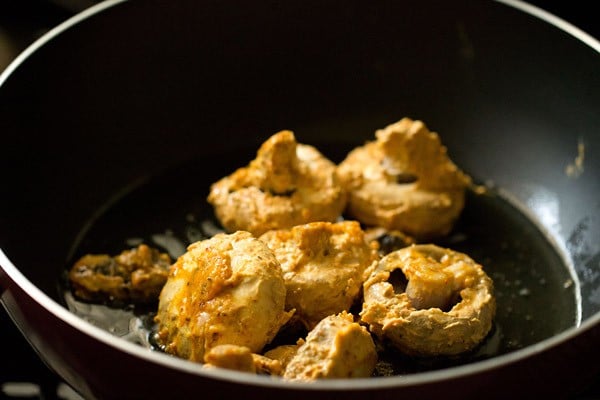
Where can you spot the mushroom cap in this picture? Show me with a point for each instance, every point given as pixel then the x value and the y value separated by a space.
pixel 324 266
pixel 391 314
pixel 337 347
pixel 287 184
pixel 225 290
pixel 404 180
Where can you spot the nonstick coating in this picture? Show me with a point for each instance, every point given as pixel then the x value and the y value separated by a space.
pixel 130 89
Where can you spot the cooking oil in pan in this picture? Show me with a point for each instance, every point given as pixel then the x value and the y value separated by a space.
pixel 535 293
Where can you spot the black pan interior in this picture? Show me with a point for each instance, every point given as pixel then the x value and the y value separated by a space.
pixel 190 90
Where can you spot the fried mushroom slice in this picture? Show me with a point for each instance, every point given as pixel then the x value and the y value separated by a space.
pixel 288 184
pixel 284 353
pixel 446 308
pixel 135 276
pixel 230 356
pixel 240 358
pixel 404 180
pixel 337 347
pixel 324 265
pixel 224 290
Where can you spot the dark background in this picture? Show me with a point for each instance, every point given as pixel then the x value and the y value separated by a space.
pixel 22 374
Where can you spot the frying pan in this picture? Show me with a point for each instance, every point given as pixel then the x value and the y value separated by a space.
pixel 115 123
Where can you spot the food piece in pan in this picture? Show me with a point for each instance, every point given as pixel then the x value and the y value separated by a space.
pixel 240 358
pixel 134 276
pixel 288 184
pixel 405 181
pixel 284 353
pixel 324 265
pixel 224 290
pixel 428 301
pixel 337 347
pixel 230 356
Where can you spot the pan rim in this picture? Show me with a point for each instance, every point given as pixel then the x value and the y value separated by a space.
pixel 554 20
pixel 89 12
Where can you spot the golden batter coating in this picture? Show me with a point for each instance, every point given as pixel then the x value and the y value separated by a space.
pixel 405 181
pixel 446 308
pixel 134 276
pixel 337 347
pixel 284 353
pixel 240 358
pixel 228 289
pixel 288 184
pixel 324 265
pixel 230 356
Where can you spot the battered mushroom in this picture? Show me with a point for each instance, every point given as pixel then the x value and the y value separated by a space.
pixel 134 276
pixel 446 307
pixel 324 265
pixel 284 353
pixel 337 347
pixel 240 358
pixel 404 181
pixel 225 290
pixel 230 356
pixel 287 184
